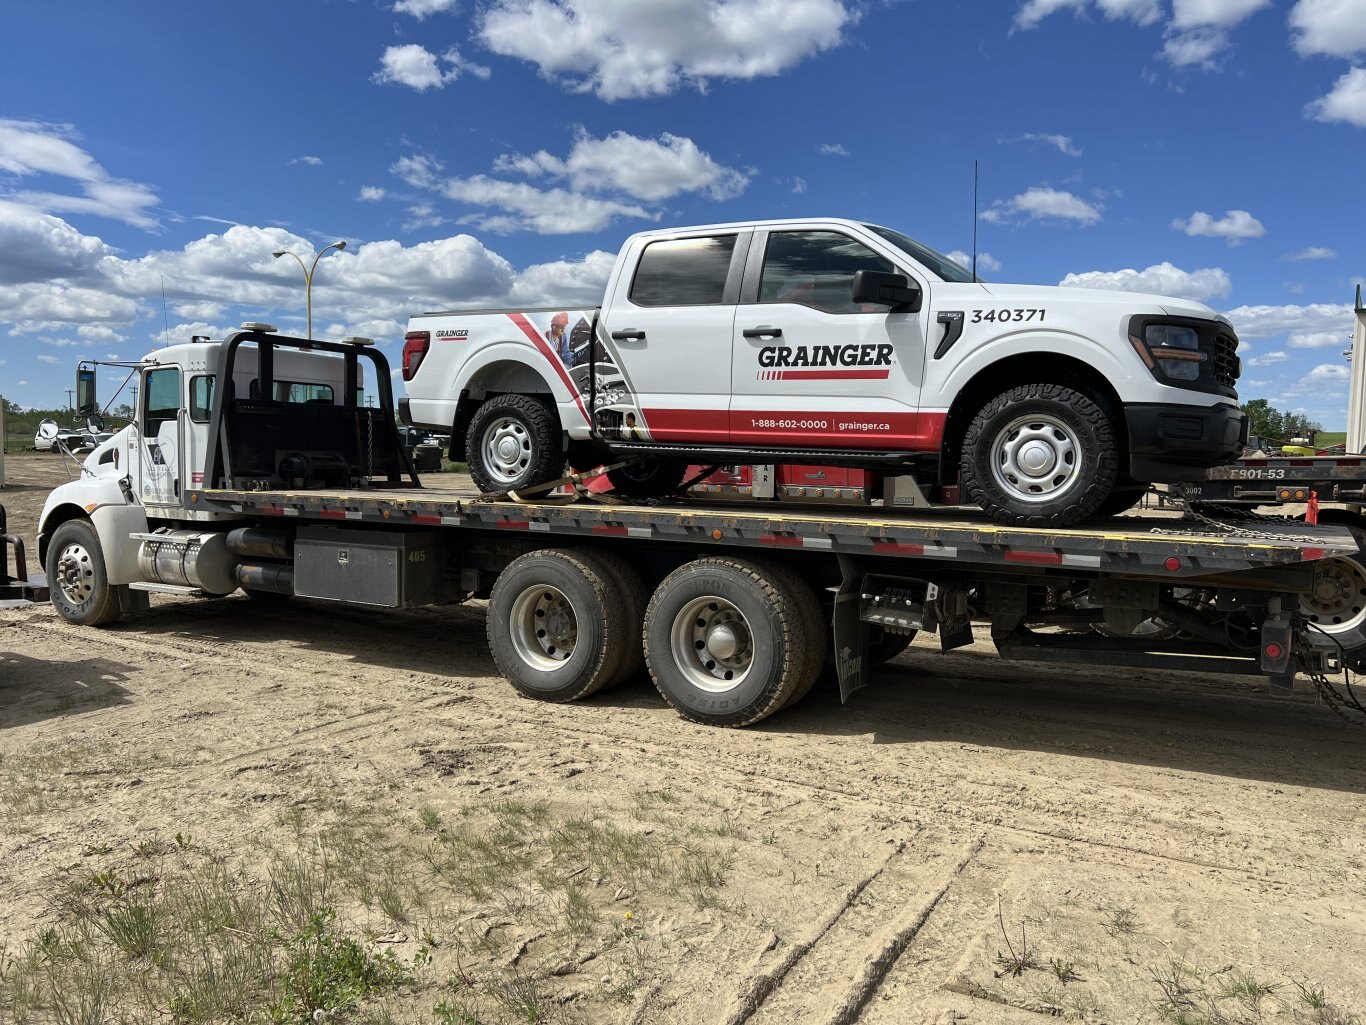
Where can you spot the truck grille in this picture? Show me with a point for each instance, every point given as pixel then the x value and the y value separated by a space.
pixel 1226 363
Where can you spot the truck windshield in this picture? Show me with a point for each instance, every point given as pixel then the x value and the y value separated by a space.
pixel 947 269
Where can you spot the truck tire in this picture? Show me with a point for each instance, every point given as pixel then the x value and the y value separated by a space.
pixel 724 641
pixel 1126 495
pixel 648 478
pixel 513 442
pixel 1336 607
pixel 556 625
pixel 81 591
pixel 1040 455
pixel 630 588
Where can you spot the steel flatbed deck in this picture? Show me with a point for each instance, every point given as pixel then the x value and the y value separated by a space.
pixel 1141 546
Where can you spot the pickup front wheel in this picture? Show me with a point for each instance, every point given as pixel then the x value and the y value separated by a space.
pixel 513 442
pixel 1040 455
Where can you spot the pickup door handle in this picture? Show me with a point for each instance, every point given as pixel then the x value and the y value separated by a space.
pixel 762 332
pixel 629 335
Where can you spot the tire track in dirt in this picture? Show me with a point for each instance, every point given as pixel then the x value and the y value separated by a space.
pixel 831 977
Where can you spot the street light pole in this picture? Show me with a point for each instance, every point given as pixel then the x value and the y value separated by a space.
pixel 308 276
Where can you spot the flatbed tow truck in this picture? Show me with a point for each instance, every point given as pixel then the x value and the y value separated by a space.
pixel 284 486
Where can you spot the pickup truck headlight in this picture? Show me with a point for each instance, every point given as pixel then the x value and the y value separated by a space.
pixel 1173 349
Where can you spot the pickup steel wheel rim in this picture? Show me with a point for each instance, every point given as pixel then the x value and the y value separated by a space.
pixel 711 643
pixel 506 449
pixel 1337 602
pixel 1036 458
pixel 76 574
pixel 543 627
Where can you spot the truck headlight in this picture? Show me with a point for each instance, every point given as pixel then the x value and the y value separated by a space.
pixel 1174 349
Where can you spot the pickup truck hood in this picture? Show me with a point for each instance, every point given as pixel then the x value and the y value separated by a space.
pixel 1138 302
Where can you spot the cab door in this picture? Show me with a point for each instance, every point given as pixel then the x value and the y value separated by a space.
pixel 159 456
pixel 814 370
pixel 668 332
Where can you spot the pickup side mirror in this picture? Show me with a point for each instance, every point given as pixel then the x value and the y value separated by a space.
pixel 48 430
pixel 884 288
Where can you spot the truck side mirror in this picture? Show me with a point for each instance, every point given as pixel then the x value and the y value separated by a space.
pixel 885 288
pixel 48 430
pixel 86 403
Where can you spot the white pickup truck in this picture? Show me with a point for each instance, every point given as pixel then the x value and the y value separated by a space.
pixel 842 343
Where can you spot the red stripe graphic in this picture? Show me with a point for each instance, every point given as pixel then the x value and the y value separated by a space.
pixel 833 375
pixel 1034 558
pixel 892 548
pixel 530 331
pixel 426 518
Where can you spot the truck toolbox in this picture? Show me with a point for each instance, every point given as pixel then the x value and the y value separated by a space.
pixel 367 568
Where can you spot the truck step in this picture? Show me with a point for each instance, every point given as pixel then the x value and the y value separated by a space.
pixel 144 585
pixel 728 455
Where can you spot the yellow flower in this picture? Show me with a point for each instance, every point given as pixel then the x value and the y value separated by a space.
pixel 629 915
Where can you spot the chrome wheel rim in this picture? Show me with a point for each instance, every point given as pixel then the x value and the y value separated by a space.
pixel 506 449
pixel 76 573
pixel 1336 604
pixel 1036 458
pixel 712 644
pixel 543 627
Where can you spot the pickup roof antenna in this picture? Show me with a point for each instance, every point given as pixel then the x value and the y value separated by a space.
pixel 974 221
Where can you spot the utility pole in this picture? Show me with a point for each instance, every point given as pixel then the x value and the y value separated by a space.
pixel 68 400
pixel 1356 401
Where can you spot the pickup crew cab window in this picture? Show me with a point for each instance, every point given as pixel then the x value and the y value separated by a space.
pixel 816 269
pixel 683 272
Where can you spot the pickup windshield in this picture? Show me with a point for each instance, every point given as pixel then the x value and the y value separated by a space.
pixel 947 269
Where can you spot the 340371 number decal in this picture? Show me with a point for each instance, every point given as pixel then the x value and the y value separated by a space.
pixel 1003 316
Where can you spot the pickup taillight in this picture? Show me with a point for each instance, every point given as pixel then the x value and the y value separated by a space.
pixel 415 346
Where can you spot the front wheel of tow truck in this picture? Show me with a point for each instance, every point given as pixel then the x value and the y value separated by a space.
pixel 557 626
pixel 513 442
pixel 1040 455
pixel 76 575
pixel 727 642
pixel 648 478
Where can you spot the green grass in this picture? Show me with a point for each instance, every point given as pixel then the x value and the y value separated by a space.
pixel 466 917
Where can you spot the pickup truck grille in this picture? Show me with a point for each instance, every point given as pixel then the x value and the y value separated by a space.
pixel 1225 360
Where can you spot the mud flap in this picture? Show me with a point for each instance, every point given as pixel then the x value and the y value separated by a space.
pixel 849 631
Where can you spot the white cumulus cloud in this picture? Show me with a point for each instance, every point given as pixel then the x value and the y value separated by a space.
pixel 1063 143
pixel 833 149
pixel 1329 373
pixel 418 68
pixel 1042 203
pixel 1160 279
pixel 1141 12
pixel 1235 226
pixel 420 9
pixel 1345 102
pixel 1320 339
pixel 985 261
pixel 1267 321
pixel 622 49
pixel 1334 28
pixel 1312 253
pixel 1267 359
pixel 649 169
pixel 32 148
pixel 1192 13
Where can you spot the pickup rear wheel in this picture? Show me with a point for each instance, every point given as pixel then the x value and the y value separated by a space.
pixel 726 643
pixel 556 625
pixel 76 574
pixel 648 478
pixel 1040 455
pixel 513 442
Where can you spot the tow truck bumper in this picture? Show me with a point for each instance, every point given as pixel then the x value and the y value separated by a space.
pixel 1166 440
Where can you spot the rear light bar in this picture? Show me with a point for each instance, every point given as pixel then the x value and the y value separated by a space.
pixel 415 346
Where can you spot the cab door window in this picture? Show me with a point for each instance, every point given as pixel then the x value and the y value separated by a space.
pixel 160 399
pixel 683 272
pixel 816 269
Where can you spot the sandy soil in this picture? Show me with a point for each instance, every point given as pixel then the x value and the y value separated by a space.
pixel 885 855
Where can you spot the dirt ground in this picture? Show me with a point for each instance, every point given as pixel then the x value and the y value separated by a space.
pixel 967 840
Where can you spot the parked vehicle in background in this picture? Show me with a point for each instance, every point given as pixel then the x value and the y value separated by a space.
pixel 424 450
pixel 841 344
pixel 56 437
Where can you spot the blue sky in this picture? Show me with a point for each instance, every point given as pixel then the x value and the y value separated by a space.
pixel 496 152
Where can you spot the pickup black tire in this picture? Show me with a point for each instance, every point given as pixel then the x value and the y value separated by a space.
pixel 556 625
pixel 1126 495
pixel 1040 455
pixel 513 442
pixel 724 641
pixel 648 478
pixel 81 591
